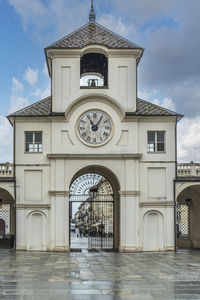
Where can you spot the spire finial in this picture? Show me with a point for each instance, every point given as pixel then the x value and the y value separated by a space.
pixel 92 15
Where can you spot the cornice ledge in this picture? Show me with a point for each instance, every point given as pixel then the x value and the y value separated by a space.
pixel 33 206
pixel 59 193
pixel 157 204
pixel 96 156
pixel 129 193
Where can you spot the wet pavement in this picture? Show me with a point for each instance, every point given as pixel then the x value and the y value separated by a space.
pixel 93 275
pixel 79 242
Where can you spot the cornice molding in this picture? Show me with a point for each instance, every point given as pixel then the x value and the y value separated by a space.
pixel 59 193
pixel 157 204
pixel 33 206
pixel 129 193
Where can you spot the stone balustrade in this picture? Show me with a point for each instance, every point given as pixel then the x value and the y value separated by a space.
pixel 6 170
pixel 188 169
pixel 183 170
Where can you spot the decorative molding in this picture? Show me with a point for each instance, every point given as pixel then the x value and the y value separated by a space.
pixel 158 162
pixel 95 156
pixel 94 97
pixel 7 179
pixel 130 193
pixel 59 193
pixel 33 165
pixel 33 206
pixel 157 204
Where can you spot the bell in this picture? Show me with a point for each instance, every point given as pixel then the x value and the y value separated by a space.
pixel 93 83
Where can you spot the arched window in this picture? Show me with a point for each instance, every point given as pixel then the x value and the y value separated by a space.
pixel 94 70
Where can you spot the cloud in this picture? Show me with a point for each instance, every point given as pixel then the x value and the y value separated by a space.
pixel 166 103
pixel 116 24
pixel 144 10
pixel 50 19
pixel 5 140
pixel 17 86
pixel 29 11
pixel 42 93
pixel 189 139
pixel 45 70
pixel 17 103
pixel 171 63
pixel 31 75
pixel 154 97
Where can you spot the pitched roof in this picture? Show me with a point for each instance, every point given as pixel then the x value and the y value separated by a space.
pixel 40 108
pixel 93 33
pixel 149 109
pixel 43 108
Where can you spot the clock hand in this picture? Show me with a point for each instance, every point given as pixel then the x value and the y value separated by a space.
pixel 99 121
pixel 91 122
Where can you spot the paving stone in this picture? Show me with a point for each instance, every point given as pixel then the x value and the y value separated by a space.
pixel 99 275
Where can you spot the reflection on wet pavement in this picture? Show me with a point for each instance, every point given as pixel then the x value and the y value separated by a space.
pixel 99 275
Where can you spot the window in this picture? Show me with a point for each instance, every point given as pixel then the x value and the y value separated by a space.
pixel 33 141
pixel 156 141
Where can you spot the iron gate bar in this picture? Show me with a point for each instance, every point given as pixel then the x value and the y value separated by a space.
pixel 96 220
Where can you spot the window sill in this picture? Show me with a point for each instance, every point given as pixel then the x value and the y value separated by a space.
pixel 93 87
pixel 33 152
pixel 156 152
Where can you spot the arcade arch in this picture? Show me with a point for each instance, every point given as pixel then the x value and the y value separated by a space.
pixel 7 219
pixel 188 215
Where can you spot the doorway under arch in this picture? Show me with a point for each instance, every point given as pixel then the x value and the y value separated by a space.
pixel 7 219
pixel 94 209
pixel 187 217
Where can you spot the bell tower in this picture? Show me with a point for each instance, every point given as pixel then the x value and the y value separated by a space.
pixel 93 61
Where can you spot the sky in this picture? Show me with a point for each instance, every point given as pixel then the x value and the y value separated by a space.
pixel 168 74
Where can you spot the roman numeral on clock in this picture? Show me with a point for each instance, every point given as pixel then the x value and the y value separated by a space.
pixel 105 134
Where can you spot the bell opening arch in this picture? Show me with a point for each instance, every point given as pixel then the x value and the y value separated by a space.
pixel 94 209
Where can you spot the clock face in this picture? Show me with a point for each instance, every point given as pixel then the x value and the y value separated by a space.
pixel 94 127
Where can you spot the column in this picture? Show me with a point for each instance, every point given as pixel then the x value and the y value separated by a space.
pixel 59 221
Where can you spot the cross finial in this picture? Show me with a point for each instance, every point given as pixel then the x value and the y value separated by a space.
pixel 92 15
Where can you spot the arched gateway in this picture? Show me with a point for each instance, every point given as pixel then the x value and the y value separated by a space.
pixel 187 215
pixel 7 219
pixel 94 209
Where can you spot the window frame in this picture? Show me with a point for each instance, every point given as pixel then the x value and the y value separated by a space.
pixel 34 143
pixel 156 141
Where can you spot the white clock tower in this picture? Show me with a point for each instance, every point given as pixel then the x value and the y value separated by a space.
pixel 93 154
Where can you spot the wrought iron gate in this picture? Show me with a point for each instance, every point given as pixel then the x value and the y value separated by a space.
pixel 91 217
pixel 182 221
pixel 7 225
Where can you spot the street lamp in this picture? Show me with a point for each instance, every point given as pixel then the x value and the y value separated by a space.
pixel 93 192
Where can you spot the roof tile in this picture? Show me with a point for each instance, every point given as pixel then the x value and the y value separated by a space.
pixel 43 108
pixel 93 33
